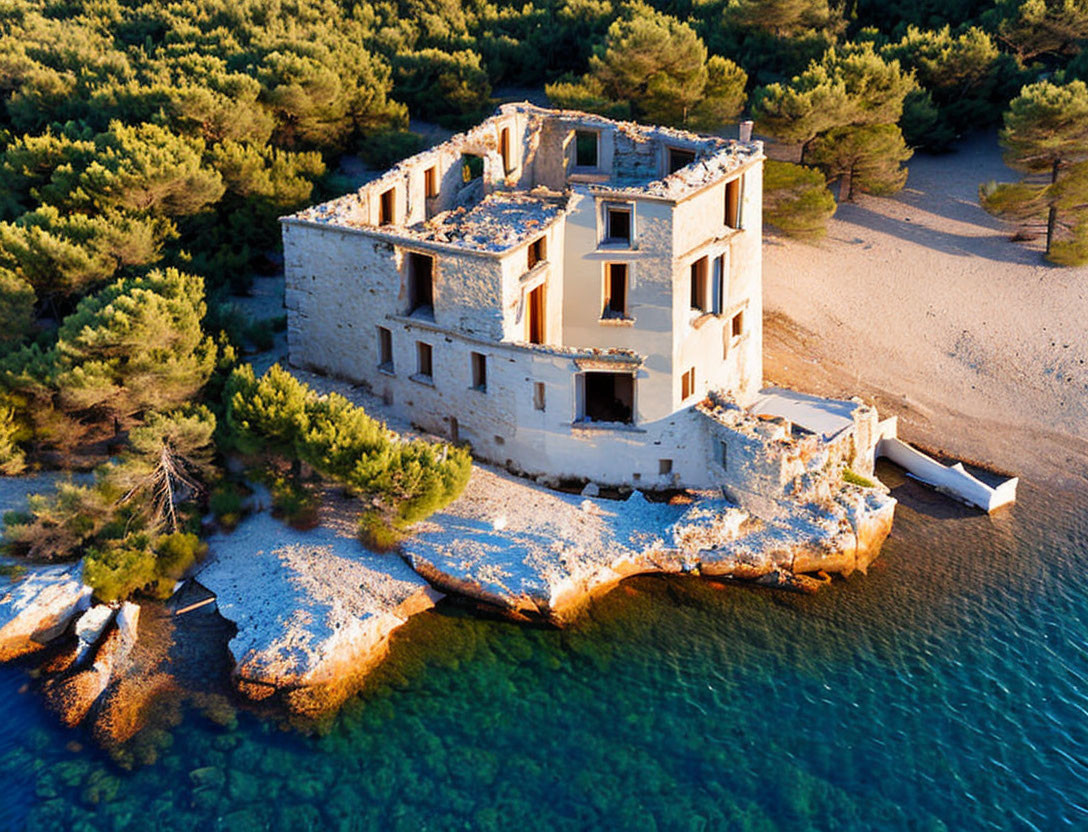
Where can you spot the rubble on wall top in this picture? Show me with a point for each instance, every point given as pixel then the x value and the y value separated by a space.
pixel 724 410
pixel 500 221
pixel 506 218
pixel 609 355
pixel 715 157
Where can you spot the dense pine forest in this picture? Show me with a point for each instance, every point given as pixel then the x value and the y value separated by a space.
pixel 147 149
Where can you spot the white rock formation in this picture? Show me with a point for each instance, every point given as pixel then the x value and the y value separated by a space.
pixel 311 607
pixel 559 549
pixel 38 607
pixel 89 629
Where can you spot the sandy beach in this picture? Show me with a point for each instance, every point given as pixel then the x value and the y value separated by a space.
pixel 922 305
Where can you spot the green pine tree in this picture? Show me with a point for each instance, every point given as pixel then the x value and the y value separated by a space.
pixel 1046 138
pixel 654 68
pixel 796 199
pixel 866 158
pixel 136 345
pixel 847 86
pixel 1033 28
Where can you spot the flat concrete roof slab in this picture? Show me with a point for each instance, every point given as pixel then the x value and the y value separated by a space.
pixel 826 417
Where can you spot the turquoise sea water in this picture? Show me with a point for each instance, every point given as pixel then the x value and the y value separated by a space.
pixel 948 689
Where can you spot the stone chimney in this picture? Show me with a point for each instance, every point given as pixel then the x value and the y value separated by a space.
pixel 746 131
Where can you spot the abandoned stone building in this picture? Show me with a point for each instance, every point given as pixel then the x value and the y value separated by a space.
pixel 559 290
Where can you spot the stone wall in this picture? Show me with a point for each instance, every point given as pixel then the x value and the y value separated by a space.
pixel 343 283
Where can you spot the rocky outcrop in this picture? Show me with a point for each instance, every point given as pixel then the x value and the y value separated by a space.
pixel 536 553
pixel 314 609
pixel 73 695
pixel 89 629
pixel 39 606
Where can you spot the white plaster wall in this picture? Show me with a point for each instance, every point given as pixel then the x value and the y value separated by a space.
pixel 649 292
pixel 721 362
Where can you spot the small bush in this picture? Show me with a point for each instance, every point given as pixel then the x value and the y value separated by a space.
pixel 261 335
pixel 117 569
pixel 225 503
pixel 848 475
pixel 295 503
pixel 376 532
pixel 175 554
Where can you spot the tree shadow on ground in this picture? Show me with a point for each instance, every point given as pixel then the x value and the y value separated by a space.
pixel 947 242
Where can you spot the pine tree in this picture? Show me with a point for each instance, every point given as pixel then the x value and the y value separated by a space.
pixel 16 308
pixel 268 415
pixel 964 75
pixel 1046 138
pixel 654 68
pixel 865 158
pixel 847 86
pixel 168 459
pixel 796 199
pixel 134 346
pixel 1031 28
pixel 12 458
pixel 61 254
pixel 783 18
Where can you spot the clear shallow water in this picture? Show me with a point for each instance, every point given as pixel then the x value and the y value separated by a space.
pixel 948 689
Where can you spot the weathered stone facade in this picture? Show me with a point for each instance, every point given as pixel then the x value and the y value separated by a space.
pixel 558 289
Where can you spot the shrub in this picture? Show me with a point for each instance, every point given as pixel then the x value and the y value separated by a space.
pixel 404 480
pixel 294 502
pixel 796 200
pixel 850 476
pixel 225 503
pixel 117 569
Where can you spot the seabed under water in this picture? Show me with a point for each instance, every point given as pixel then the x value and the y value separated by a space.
pixel 947 689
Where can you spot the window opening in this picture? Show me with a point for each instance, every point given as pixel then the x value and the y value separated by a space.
pixel 732 203
pixel 536 315
pixel 619 225
pixel 585 148
pixel 537 251
pixel 615 290
pixel 385 349
pixel 687 384
pixel 538 395
pixel 420 282
pixel 385 216
pixel 680 159
pixel 504 149
pixel 609 397
pixel 699 284
pixel 424 359
pixel 479 372
pixel 472 167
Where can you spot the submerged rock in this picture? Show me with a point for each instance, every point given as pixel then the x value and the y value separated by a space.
pixel 74 695
pixel 39 607
pixel 314 609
